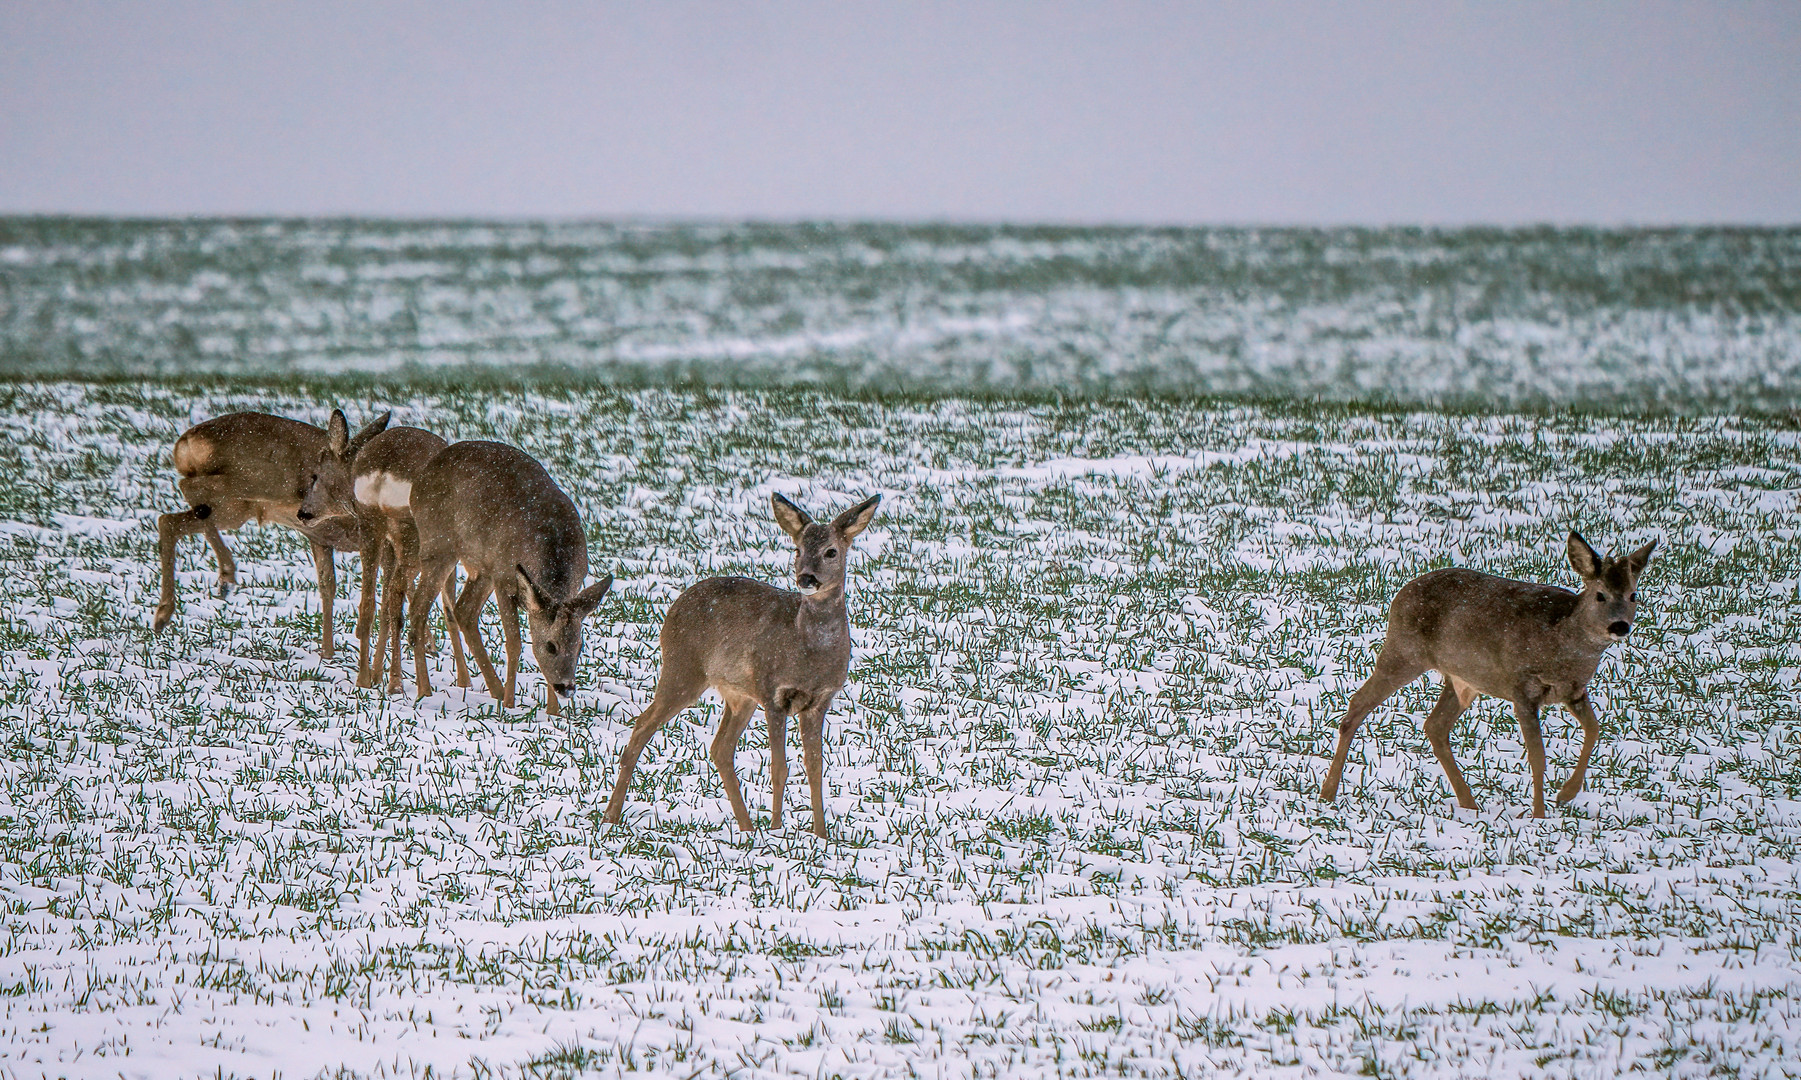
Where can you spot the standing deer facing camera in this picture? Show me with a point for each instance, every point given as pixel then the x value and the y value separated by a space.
pixel 493 508
pixel 759 645
pixel 1532 645
pixel 252 466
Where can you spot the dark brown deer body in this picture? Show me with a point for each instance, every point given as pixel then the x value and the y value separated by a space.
pixel 382 482
pixel 248 466
pixel 758 645
pixel 1531 645
pixel 493 508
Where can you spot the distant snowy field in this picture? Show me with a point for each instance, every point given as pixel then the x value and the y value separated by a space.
pixel 1684 319
pixel 1100 653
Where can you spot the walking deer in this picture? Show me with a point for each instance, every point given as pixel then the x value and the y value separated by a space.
pixel 1532 645
pixel 381 484
pixel 252 466
pixel 758 645
pixel 493 508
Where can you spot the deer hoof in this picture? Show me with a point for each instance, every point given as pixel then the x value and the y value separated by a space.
pixel 164 612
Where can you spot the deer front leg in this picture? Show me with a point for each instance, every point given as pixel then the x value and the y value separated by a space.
pixel 328 591
pixel 812 741
pixel 509 633
pixel 1591 734
pixel 1527 712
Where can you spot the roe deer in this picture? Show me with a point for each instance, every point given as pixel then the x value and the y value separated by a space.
pixel 759 645
pixel 252 466
pixel 382 483
pixel 493 508
pixel 1532 645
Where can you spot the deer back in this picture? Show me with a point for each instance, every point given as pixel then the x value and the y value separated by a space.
pixel 496 508
pixel 263 458
pixel 1507 638
pixel 753 638
pixel 387 467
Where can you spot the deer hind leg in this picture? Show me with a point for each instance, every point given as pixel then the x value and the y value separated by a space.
pixel 394 602
pixel 1392 673
pixel 433 576
pixel 455 636
pixel 1453 700
pixel 468 617
pixel 724 752
pixel 674 693
pixel 812 741
pixel 376 570
pixel 1527 713
pixel 1591 734
pixel 228 569
pixel 170 528
pixel 328 591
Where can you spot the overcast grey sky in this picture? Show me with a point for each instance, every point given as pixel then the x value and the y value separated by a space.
pixel 1639 112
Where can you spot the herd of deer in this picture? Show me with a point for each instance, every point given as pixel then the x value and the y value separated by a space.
pixel 415 506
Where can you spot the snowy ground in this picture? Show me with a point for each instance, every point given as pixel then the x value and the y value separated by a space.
pixel 1071 784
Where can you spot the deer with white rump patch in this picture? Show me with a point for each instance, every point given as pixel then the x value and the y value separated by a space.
pixel 493 508
pixel 255 467
pixel 382 485
pixel 758 645
pixel 1532 645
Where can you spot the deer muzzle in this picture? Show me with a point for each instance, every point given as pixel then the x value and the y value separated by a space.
pixel 1619 629
pixel 809 584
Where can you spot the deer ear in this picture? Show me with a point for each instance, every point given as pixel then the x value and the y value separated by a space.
pixel 1583 558
pixel 857 518
pixel 370 430
pixel 534 598
pixel 337 433
pixel 790 517
pixel 1636 561
pixel 583 603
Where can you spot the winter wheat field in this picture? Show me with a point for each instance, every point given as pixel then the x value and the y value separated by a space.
pixel 1102 641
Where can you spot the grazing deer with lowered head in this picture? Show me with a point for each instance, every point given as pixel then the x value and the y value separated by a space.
pixel 380 482
pixel 1532 645
pixel 758 645
pixel 493 508
pixel 252 466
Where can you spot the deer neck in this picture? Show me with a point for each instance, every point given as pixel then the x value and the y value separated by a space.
pixel 823 619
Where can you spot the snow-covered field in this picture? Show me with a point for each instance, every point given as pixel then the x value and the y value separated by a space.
pixel 1685 318
pixel 1100 653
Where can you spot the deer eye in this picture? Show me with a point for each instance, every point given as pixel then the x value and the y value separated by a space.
pixel 831 553
pixel 551 646
pixel 1633 599
pixel 1600 598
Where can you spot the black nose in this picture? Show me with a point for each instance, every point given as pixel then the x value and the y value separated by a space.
pixel 564 688
pixel 807 581
pixel 303 515
pixel 1620 629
